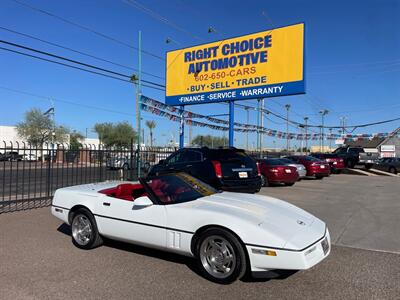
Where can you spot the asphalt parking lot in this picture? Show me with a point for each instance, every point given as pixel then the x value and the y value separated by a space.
pixel 38 260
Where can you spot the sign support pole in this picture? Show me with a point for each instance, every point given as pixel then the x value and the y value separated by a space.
pixel 139 95
pixel 231 122
pixel 182 128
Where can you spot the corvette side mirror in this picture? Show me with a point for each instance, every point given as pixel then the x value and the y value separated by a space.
pixel 142 202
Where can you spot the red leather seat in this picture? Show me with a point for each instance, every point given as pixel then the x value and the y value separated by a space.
pixel 124 191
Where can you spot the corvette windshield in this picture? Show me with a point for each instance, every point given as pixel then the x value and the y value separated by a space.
pixel 178 188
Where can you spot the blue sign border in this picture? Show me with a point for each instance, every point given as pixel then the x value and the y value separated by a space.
pixel 288 88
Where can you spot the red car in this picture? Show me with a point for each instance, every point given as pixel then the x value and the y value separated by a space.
pixel 274 171
pixel 314 166
pixel 335 162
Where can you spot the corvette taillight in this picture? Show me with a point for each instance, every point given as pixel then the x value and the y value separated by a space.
pixel 217 168
pixel 274 170
pixel 258 169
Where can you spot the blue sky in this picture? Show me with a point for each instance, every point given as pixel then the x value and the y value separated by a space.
pixel 352 58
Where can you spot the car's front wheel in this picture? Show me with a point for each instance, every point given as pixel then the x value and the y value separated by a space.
pixel 84 230
pixel 220 256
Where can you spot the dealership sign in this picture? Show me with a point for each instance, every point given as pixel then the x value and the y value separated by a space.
pixel 263 64
pixel 388 148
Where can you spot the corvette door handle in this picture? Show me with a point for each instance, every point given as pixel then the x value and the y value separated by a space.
pixel 106 203
pixel 188 166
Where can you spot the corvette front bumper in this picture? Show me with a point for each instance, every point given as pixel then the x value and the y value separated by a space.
pixel 288 259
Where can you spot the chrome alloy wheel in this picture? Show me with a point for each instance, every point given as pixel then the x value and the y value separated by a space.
pixel 82 229
pixel 217 256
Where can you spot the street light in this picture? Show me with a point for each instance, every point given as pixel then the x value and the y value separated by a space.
pixel 323 113
pixel 287 106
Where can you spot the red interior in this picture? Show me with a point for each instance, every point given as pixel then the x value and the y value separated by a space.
pixel 126 191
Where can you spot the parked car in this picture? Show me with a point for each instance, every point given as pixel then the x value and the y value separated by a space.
pixel 29 157
pixel 124 162
pixel 314 166
pixel 301 169
pixel 275 171
pixel 228 234
pixel 353 156
pixel 335 162
pixel 11 156
pixel 388 164
pixel 227 169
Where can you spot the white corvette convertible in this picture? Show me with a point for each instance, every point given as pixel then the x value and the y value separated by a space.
pixel 227 233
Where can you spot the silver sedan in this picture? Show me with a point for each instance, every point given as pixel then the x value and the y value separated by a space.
pixel 300 168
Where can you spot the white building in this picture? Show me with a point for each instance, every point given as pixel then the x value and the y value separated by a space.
pixel 9 139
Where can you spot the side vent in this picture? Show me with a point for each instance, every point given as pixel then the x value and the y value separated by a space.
pixel 174 239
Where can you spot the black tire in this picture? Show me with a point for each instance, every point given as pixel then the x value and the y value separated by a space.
pixel 350 163
pixel 368 166
pixel 289 183
pixel 232 246
pixel 319 177
pixel 264 181
pixel 392 170
pixel 94 240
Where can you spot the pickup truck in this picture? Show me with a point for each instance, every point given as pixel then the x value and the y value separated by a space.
pixel 353 156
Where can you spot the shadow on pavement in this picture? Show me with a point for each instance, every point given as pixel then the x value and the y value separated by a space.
pixel 180 259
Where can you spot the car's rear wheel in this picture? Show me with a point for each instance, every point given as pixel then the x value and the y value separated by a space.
pixel 393 170
pixel 318 177
pixel 220 256
pixel 85 234
pixel 368 166
pixel 289 183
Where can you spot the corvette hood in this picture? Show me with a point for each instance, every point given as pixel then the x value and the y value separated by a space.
pixel 295 227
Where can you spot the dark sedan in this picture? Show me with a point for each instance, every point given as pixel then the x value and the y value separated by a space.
pixel 388 164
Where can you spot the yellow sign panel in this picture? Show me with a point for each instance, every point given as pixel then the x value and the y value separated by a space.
pixel 262 64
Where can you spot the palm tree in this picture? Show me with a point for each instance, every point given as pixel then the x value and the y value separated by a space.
pixel 151 125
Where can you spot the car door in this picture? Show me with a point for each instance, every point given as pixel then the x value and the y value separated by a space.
pixel 177 161
pixel 120 219
pixel 190 162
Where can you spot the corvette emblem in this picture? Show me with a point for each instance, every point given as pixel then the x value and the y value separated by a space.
pixel 300 222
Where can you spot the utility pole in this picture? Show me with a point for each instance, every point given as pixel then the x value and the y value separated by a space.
pixel 258 124
pixel 138 98
pixel 262 125
pixel 247 133
pixel 305 127
pixel 323 113
pixel 287 106
pixel 330 139
pixel 343 123
pixel 302 139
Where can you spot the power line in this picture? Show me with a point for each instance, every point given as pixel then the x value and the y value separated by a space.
pixel 77 51
pixel 159 17
pixel 62 64
pixel 86 29
pixel 73 61
pixel 46 98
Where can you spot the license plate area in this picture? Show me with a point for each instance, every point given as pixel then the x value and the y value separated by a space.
pixel 325 245
pixel 243 175
pixel 288 171
pixel 322 167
